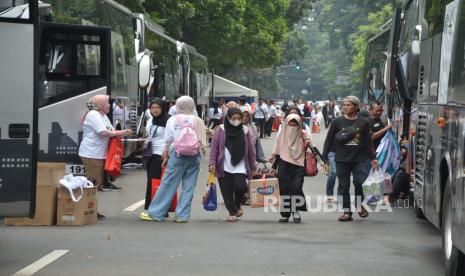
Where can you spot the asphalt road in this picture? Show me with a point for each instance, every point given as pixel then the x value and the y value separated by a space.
pixel 387 243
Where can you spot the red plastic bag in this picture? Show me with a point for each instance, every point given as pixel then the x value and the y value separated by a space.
pixel 156 183
pixel 114 157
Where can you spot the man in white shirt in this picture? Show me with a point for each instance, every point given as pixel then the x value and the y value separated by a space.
pixel 260 115
pixel 120 113
pixel 272 116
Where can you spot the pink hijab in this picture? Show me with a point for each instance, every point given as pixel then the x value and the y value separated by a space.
pixel 290 143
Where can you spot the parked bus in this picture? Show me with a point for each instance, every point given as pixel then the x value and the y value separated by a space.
pixel 425 77
pixel 68 51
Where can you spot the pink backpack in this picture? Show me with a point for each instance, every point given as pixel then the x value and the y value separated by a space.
pixel 187 143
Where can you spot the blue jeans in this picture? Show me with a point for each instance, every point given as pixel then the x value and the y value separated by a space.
pixel 185 168
pixel 331 182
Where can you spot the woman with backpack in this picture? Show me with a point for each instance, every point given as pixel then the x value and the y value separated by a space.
pixel 232 159
pixel 155 130
pixel 185 136
pixel 289 159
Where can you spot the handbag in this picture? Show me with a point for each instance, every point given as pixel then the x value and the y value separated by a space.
pixel 147 150
pixel 311 164
pixel 259 154
pixel 114 157
pixel 347 134
pixel 210 200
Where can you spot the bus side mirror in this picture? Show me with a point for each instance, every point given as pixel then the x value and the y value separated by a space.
pixel 144 71
pixel 414 65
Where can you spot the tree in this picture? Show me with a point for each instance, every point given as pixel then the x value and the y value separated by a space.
pixel 359 40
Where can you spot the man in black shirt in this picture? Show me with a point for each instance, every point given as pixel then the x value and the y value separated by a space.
pixel 349 136
pixel 378 127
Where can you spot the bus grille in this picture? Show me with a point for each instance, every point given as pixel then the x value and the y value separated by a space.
pixel 420 150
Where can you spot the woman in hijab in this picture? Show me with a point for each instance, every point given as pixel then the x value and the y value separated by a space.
pixel 289 159
pixel 296 110
pixel 247 121
pixel 179 168
pixel 232 159
pixel 97 130
pixel 155 130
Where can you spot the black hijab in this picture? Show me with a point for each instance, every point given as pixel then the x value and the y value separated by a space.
pixel 163 118
pixel 234 141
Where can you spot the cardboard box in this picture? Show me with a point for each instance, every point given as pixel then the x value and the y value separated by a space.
pixel 48 176
pixel 77 213
pixel 264 192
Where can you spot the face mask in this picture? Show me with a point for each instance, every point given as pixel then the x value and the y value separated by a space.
pixel 234 122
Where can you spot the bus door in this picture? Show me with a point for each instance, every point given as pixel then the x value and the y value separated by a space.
pixel 18 107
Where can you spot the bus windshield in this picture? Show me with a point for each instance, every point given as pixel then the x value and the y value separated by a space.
pixel 14 9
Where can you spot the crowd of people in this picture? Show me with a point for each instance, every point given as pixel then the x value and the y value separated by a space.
pixel 179 138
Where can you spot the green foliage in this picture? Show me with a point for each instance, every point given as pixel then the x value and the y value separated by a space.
pixel 235 35
pixel 359 40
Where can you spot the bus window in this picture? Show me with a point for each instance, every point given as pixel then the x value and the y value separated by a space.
pixel 59 58
pixel 88 59
pixel 71 62
pixel 458 69
pixel 434 15
pixel 408 33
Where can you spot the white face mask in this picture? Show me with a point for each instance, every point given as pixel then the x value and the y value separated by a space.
pixel 234 122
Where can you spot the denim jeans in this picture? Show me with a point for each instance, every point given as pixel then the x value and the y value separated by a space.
pixel 260 123
pixel 331 182
pixel 185 168
pixel 359 173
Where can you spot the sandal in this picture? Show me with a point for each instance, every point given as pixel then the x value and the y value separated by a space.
pixel 231 219
pixel 363 213
pixel 345 217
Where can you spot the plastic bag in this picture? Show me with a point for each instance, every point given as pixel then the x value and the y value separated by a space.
pixel 114 157
pixel 71 182
pixel 388 153
pixel 210 201
pixel 372 186
pixel 387 185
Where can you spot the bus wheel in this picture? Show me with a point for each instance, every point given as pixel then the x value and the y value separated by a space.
pixel 454 259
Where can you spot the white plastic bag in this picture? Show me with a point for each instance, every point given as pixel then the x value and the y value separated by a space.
pixel 372 186
pixel 72 182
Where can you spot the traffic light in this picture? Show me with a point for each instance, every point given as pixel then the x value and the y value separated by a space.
pixel 297 66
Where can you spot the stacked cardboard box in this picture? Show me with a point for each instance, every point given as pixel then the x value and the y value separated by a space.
pixel 77 213
pixel 48 175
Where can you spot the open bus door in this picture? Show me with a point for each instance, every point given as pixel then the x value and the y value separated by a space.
pixel 22 37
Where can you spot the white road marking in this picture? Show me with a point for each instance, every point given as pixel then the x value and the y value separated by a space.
pixel 41 263
pixel 134 206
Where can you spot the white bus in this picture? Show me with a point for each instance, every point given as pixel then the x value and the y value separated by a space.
pixel 56 54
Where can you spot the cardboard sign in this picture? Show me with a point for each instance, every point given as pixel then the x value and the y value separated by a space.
pixel 77 213
pixel 264 192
